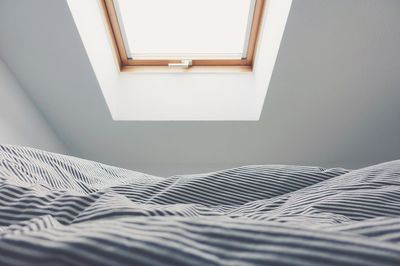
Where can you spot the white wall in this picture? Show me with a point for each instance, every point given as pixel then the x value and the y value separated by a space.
pixel 20 121
pixel 333 99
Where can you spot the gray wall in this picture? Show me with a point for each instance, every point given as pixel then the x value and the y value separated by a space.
pixel 20 121
pixel 333 98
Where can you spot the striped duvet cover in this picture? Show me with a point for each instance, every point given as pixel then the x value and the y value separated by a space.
pixel 60 210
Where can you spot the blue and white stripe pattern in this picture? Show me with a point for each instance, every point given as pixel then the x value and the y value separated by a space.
pixel 61 210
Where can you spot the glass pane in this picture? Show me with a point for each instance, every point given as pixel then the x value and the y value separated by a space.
pixel 179 29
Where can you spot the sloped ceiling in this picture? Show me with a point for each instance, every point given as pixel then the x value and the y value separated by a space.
pixel 333 98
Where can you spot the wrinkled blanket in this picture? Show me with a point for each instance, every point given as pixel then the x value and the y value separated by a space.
pixel 61 210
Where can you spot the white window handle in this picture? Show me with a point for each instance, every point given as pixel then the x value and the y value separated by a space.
pixel 183 64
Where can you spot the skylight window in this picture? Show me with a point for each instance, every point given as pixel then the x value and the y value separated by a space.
pixel 185 33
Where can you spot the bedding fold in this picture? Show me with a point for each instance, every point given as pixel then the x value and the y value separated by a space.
pixel 62 210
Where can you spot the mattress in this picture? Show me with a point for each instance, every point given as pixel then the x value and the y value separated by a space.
pixel 61 210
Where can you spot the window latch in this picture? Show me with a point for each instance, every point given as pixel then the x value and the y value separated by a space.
pixel 183 64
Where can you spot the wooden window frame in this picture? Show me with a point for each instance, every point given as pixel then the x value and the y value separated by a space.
pixel 128 64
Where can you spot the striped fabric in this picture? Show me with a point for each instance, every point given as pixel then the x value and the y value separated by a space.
pixel 61 210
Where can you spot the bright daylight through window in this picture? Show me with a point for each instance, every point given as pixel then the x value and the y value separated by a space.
pixel 185 33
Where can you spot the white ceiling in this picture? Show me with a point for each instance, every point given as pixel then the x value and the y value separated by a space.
pixel 333 98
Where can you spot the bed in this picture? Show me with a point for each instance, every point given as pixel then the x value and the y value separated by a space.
pixel 61 210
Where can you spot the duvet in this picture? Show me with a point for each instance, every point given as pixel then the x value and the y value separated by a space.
pixel 61 210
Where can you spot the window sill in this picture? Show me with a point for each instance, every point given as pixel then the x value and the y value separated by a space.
pixel 193 69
